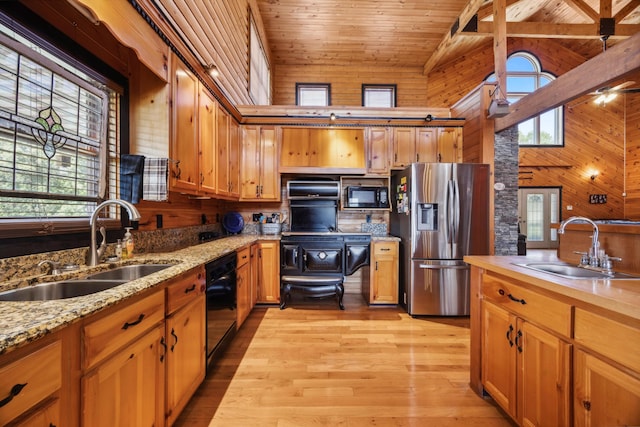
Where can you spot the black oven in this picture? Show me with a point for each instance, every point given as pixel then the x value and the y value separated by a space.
pixel 221 304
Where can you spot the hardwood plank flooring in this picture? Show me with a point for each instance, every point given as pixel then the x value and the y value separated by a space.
pixel 312 364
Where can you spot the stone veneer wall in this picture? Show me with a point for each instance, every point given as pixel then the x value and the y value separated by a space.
pixel 506 200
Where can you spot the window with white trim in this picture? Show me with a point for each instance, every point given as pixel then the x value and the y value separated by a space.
pixel 378 95
pixel 313 94
pixel 59 143
pixel 524 76
pixel 259 72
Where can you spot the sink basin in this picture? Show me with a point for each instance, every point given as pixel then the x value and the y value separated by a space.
pixel 574 272
pixel 129 272
pixel 59 290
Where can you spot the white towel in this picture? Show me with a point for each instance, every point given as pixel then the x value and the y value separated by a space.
pixel 155 181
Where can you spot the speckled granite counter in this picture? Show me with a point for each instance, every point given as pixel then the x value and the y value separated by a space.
pixel 24 322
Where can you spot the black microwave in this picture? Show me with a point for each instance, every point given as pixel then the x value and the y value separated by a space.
pixel 367 197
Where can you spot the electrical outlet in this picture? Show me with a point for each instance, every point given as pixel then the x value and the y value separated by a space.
pixel 256 217
pixel 159 221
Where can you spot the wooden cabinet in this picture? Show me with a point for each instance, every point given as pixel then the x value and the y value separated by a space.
pixel 268 280
pixel 260 179
pixel 243 284
pixel 383 286
pixel 207 141
pixel 377 151
pixel 254 261
pixel 525 367
pixel 228 155
pixel 30 384
pixel 426 145
pixel 128 388
pixel 184 152
pixel 322 149
pixel 185 338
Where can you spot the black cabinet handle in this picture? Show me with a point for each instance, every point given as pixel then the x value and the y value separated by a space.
pixel 511 297
pixel 137 322
pixel 509 332
pixel 518 343
pixel 164 344
pixel 190 289
pixel 175 337
pixel 15 390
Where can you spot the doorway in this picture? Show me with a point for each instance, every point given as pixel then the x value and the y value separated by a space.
pixel 538 209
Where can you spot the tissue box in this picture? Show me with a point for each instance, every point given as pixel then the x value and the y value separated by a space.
pixel 270 228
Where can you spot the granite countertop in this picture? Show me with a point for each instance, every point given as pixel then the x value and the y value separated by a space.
pixel 24 322
pixel 620 296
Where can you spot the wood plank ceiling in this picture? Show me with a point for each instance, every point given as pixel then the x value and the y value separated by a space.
pixel 410 33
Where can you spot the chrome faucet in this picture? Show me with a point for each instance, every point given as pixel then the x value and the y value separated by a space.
pixel 594 254
pixel 93 257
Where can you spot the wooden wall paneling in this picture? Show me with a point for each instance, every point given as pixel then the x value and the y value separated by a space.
pixel 632 164
pixel 179 211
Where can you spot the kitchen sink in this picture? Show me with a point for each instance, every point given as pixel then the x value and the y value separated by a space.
pixel 129 272
pixel 573 271
pixel 59 290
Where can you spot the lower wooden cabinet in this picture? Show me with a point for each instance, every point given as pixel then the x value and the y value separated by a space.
pixel 268 282
pixel 243 285
pixel 46 415
pixel 383 285
pixel 128 388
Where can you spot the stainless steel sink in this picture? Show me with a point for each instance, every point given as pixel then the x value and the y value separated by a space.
pixel 59 290
pixel 129 272
pixel 571 271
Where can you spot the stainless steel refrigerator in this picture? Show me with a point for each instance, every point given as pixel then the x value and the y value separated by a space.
pixel 441 213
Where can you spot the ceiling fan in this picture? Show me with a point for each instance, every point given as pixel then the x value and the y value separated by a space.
pixel 606 94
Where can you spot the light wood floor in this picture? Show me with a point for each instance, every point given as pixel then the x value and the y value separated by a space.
pixel 314 365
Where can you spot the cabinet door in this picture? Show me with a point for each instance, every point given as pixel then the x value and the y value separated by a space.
pixel 346 148
pixel 544 387
pixel 295 148
pixel 46 416
pixel 243 293
pixel 384 273
pixel 604 395
pixel 426 145
pixel 269 272
pixel 450 145
pixel 234 158
pixel 404 147
pixel 498 355
pixel 250 170
pixel 128 388
pixel 222 143
pixel 207 120
pixel 269 176
pixel 185 340
pixel 255 268
pixel 184 141
pixel 378 151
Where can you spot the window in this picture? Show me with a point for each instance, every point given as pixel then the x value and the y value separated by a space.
pixel 524 75
pixel 379 96
pixel 259 73
pixel 313 94
pixel 58 137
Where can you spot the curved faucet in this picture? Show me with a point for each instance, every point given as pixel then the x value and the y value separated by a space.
pixel 93 257
pixel 595 245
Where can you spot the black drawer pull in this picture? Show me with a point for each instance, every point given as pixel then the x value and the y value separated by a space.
pixel 385 249
pixel 15 390
pixel 190 289
pixel 137 322
pixel 175 337
pixel 164 344
pixel 509 332
pixel 512 298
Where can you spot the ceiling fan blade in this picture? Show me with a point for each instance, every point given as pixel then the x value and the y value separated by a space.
pixel 619 88
pixel 622 86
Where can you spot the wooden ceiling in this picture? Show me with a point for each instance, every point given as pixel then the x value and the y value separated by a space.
pixel 419 33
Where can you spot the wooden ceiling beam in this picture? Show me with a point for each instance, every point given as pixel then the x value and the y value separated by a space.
pixel 584 9
pixel 613 64
pixel 467 14
pixel 554 31
pixel 500 46
pixel 625 11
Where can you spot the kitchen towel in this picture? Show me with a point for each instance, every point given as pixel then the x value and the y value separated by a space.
pixel 131 173
pixel 156 175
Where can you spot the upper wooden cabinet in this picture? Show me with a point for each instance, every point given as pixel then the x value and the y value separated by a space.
pixel 378 150
pixel 207 147
pixel 426 145
pixel 323 150
pixel 228 157
pixel 259 177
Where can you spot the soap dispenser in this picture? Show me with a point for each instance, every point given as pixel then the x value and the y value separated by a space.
pixel 128 243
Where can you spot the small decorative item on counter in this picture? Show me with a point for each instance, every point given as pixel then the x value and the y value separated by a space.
pixel 119 250
pixel 128 244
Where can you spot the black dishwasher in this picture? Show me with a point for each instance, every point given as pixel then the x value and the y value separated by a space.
pixel 221 304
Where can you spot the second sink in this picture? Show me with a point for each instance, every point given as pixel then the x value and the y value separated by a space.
pixel 573 272
pixel 129 272
pixel 59 290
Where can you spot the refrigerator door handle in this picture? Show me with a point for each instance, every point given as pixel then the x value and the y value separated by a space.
pixel 442 267
pixel 450 211
pixel 456 211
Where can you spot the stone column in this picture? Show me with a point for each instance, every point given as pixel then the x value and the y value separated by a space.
pixel 506 199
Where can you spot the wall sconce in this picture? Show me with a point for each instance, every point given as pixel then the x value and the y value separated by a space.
pixel 332 117
pixel 428 118
pixel 594 174
pixel 212 70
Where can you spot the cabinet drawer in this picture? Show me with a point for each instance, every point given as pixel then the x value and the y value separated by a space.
pixel 615 340
pixel 539 309
pixel 384 248
pixel 185 289
pixel 39 374
pixel 107 334
pixel 243 256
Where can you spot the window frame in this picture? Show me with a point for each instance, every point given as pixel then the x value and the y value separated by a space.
pixel 302 86
pixel 539 73
pixel 393 87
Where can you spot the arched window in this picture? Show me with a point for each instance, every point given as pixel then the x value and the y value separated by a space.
pixel 524 76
